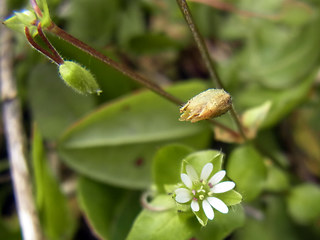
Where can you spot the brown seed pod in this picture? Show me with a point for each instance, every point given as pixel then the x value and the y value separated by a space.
pixel 208 104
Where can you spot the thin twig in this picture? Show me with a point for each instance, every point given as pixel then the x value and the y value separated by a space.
pixel 12 120
pixel 53 28
pixel 206 57
pixel 238 122
pixel 138 78
pixel 36 46
pixel 200 43
pixel 49 45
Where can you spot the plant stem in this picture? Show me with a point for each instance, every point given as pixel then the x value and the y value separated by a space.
pixel 49 45
pixel 86 48
pixel 206 57
pixel 200 43
pixel 136 77
pixel 238 122
pixel 36 46
pixel 12 120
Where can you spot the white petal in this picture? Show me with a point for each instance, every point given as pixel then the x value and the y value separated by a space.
pixel 195 206
pixel 186 180
pixel 223 187
pixel 183 195
pixel 207 209
pixel 206 171
pixel 192 173
pixel 217 177
pixel 218 204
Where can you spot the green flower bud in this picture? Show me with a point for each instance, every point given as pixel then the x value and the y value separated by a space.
pixel 208 104
pixel 78 78
pixel 22 19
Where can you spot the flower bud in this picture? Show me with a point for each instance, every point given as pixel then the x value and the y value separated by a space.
pixel 78 78
pixel 22 19
pixel 208 104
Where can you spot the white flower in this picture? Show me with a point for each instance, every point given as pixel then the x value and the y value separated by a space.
pixel 200 192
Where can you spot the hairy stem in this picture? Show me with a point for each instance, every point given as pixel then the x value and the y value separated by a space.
pixel 206 57
pixel 51 56
pixel 16 145
pixel 200 43
pixel 49 45
pixel 136 77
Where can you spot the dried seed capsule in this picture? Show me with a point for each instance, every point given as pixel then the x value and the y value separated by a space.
pixel 78 78
pixel 208 104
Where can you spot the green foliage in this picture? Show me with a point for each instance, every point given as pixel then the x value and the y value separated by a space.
pixel 166 165
pixel 303 203
pixel 167 224
pixel 115 144
pixel 65 105
pixel 55 215
pixel 246 167
pixel 109 210
pixel 127 139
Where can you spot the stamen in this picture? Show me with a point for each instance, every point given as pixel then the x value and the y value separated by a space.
pixel 201 197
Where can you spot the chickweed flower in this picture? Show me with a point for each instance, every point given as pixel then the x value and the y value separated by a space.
pixel 202 192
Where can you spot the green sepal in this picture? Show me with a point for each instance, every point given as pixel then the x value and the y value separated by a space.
pixel 198 159
pixel 19 20
pixel 78 78
pixel 45 19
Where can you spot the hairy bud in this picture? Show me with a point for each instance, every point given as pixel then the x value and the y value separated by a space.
pixel 208 104
pixel 78 78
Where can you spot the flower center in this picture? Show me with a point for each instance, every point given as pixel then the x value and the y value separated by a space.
pixel 201 190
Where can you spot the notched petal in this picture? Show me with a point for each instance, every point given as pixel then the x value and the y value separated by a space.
pixel 223 187
pixel 192 173
pixel 186 180
pixel 183 195
pixel 208 211
pixel 217 177
pixel 206 171
pixel 218 204
pixel 195 206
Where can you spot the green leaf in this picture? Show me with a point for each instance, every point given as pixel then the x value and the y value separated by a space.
pixel 55 215
pixel 246 168
pixel 271 224
pixel 283 101
pixel 116 143
pixel 230 198
pixel 198 159
pixel 93 23
pixel 45 19
pixel 223 224
pixel 152 43
pixel 169 225
pixel 110 211
pixel 167 163
pixel 277 179
pixel 48 92
pixel 303 203
pixel 130 23
pixel 253 118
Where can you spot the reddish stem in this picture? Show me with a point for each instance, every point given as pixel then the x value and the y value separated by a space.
pixel 46 41
pixel 36 8
pixel 40 49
